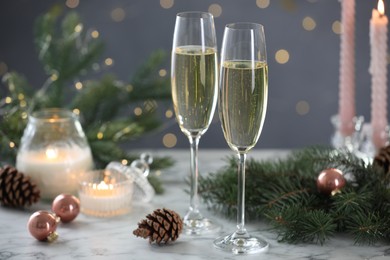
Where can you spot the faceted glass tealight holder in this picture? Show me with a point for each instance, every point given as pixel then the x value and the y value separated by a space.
pixel 105 193
pixel 137 172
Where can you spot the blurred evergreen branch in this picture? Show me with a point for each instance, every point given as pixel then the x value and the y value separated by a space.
pixel 68 52
pixel 284 192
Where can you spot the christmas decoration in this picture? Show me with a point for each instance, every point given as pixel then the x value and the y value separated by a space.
pixel 16 189
pixel 330 181
pixel 143 191
pixel 162 226
pixel 105 193
pixel 285 193
pixel 382 159
pixel 66 207
pixel 42 225
pixel 69 54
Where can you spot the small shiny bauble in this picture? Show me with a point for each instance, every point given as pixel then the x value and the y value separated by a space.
pixel 330 181
pixel 42 225
pixel 66 207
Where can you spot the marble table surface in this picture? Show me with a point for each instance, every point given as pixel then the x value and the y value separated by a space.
pixel 111 238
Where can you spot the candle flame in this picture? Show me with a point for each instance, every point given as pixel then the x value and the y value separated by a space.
pixel 51 153
pixel 102 186
pixel 381 7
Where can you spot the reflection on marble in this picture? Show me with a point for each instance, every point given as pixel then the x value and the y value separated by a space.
pixel 112 238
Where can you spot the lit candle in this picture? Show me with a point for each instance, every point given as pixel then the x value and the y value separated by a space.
pixel 347 68
pixel 102 189
pixel 55 170
pixel 109 195
pixel 378 71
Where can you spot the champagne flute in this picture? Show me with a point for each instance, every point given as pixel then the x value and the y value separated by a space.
pixel 242 107
pixel 194 79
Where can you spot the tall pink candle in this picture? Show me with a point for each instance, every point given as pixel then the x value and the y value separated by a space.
pixel 347 68
pixel 378 71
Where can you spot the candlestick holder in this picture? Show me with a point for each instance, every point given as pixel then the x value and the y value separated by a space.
pixel 54 151
pixel 368 148
pixel 105 193
pixel 351 142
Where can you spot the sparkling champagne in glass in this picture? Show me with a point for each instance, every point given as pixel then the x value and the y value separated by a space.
pixel 242 107
pixel 194 79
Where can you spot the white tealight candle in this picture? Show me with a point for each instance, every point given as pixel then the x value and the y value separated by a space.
pixel 55 170
pixel 108 195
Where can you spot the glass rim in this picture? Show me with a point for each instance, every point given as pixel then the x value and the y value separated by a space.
pixel 194 15
pixel 95 177
pixel 244 26
pixel 53 115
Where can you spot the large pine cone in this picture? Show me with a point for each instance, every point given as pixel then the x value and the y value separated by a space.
pixel 17 190
pixel 382 159
pixel 162 226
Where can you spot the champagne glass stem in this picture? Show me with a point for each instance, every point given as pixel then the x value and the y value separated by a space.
pixel 241 194
pixel 194 222
pixel 194 200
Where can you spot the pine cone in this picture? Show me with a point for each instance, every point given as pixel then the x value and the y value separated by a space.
pixel 161 226
pixel 17 190
pixel 382 159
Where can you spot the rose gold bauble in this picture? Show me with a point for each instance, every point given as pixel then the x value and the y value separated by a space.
pixel 42 225
pixel 66 207
pixel 330 181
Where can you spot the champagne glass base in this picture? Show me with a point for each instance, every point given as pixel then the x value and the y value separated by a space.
pixel 201 226
pixel 241 243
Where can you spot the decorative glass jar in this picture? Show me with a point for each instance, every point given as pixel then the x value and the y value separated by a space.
pixel 54 152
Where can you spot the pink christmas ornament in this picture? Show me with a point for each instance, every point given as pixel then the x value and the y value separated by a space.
pixel 66 207
pixel 42 225
pixel 330 181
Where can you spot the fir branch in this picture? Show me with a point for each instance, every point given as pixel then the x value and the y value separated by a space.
pixel 44 28
pixel 368 227
pixel 99 101
pixel 285 193
pixel 65 55
pixel 317 226
pixel 156 183
pixel 292 197
pixel 349 202
pixel 13 115
pixel 105 151
pixel 146 82
pixel 162 163
pixel 221 198
pixel 17 84
pixel 296 224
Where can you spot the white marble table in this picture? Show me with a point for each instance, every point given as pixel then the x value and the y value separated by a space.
pixel 112 238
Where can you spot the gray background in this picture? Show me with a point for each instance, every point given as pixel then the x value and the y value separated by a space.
pixel 310 75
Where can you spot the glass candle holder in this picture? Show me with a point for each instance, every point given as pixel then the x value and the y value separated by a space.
pixel 54 151
pixel 351 142
pixel 368 147
pixel 137 172
pixel 105 193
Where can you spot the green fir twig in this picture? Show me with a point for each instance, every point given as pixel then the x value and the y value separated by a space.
pixel 284 192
